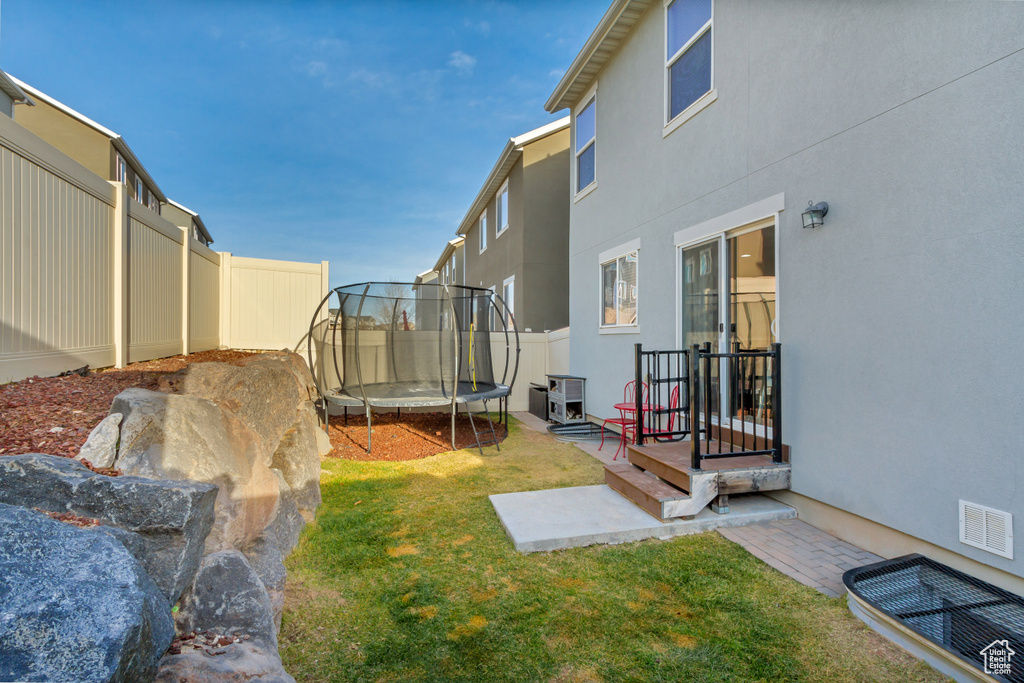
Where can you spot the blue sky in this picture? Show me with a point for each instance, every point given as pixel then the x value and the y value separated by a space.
pixel 356 132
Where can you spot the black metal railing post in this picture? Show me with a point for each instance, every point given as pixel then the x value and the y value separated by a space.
pixel 777 402
pixel 639 395
pixel 694 408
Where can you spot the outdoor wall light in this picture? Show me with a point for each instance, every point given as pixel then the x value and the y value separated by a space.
pixel 814 214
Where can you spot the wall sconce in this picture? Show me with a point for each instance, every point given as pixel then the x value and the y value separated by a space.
pixel 814 214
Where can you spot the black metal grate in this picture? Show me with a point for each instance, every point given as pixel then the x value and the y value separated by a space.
pixel 581 431
pixel 958 612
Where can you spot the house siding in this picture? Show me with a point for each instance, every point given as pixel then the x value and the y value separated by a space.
pixel 899 319
pixel 85 145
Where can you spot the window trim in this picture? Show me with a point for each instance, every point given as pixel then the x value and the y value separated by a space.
pixel 139 187
pixel 698 105
pixel 498 229
pixel 581 192
pixel 604 258
pixel 481 224
pixel 510 280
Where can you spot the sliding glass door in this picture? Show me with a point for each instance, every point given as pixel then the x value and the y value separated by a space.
pixel 728 298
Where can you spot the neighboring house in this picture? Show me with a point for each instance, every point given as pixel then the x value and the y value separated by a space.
pixel 451 265
pixel 188 220
pixel 96 147
pixel 517 229
pixel 10 95
pixel 700 132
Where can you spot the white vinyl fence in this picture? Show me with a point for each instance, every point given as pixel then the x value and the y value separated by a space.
pixel 88 276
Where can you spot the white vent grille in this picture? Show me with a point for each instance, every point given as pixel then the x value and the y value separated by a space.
pixel 985 528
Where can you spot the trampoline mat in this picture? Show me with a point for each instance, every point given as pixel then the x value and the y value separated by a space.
pixel 414 394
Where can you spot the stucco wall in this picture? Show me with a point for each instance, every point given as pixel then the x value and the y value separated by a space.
pixel 6 105
pixel 899 318
pixel 85 145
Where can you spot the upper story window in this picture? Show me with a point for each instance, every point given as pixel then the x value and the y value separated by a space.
pixel 586 145
pixel 483 231
pixel 452 267
pixel 120 170
pixel 502 225
pixel 138 189
pixel 618 291
pixel 688 58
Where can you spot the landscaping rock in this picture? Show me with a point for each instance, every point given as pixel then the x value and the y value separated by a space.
pixel 239 662
pixel 171 436
pixel 298 458
pixel 100 448
pixel 75 605
pixel 170 519
pixel 228 598
pixel 283 532
pixel 268 563
pixel 265 393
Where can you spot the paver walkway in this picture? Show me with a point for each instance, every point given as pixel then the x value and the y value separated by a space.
pixel 797 549
pixel 803 552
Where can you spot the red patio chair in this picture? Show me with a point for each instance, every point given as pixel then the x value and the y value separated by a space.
pixel 673 405
pixel 626 409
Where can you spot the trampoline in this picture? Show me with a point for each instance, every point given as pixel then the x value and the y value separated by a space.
pixel 397 345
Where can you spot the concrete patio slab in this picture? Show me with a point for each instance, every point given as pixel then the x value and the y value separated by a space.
pixel 555 519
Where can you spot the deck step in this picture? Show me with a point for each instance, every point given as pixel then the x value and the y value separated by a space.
pixel 672 467
pixel 652 495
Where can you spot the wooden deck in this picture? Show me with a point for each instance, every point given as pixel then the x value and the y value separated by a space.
pixel 659 478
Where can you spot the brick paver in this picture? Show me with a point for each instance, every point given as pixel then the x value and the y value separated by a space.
pixel 802 552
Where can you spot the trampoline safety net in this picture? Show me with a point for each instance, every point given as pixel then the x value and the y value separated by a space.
pixel 389 344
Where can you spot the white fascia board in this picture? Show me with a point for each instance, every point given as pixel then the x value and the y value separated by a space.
pixel 512 151
pixel 622 15
pixel 13 90
pixel 195 215
pixel 119 143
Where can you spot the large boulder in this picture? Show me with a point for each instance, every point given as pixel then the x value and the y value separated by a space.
pixel 168 520
pixel 298 459
pixel 265 392
pixel 268 563
pixel 171 436
pixel 228 598
pixel 75 605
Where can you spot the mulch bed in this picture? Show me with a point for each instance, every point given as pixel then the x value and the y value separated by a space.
pixel 409 437
pixel 55 414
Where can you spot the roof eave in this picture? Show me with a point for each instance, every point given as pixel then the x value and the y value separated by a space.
pixel 13 90
pixel 616 22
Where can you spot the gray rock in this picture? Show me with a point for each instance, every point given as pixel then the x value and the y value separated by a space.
pixel 100 448
pixel 283 532
pixel 75 605
pixel 228 598
pixel 171 436
pixel 297 457
pixel 268 563
pixel 240 662
pixel 171 519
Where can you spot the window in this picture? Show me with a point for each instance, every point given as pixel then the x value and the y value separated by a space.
pixel 502 210
pixel 618 291
pixel 453 269
pixel 586 145
pixel 138 190
pixel 688 58
pixel 483 232
pixel 121 171
pixel 508 293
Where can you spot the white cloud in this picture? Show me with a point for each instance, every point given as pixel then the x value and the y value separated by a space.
pixel 315 68
pixel 556 73
pixel 481 27
pixel 462 62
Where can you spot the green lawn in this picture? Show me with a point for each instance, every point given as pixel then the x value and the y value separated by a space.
pixel 408 575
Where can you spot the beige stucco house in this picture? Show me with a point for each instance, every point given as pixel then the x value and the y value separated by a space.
pixel 517 228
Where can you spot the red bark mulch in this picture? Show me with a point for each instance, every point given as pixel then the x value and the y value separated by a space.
pixel 55 414
pixel 409 437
